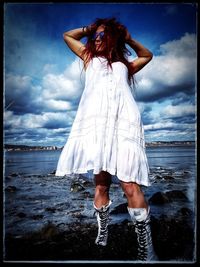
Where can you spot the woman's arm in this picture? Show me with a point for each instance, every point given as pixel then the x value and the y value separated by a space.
pixel 72 39
pixel 144 55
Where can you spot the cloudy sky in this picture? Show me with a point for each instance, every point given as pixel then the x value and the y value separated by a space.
pixel 43 79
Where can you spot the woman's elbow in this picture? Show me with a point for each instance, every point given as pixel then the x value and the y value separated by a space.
pixel 65 35
pixel 150 55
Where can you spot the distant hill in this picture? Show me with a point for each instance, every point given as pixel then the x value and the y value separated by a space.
pixel 170 143
pixel 25 147
pixel 148 144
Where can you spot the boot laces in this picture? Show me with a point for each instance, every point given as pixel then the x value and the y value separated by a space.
pixel 144 238
pixel 102 218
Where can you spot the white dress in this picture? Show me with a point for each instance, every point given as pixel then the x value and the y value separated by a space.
pixel 107 133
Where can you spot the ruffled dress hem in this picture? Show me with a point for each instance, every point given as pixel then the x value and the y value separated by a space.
pixel 113 172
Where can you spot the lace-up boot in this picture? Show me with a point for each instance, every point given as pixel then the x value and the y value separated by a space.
pixel 141 220
pixel 102 215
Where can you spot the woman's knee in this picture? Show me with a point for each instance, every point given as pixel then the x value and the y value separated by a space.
pixel 131 189
pixel 101 189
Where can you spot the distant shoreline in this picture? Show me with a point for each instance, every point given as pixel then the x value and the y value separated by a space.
pixel 11 147
pixel 170 144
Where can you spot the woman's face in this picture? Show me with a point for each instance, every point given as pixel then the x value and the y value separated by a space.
pixel 99 38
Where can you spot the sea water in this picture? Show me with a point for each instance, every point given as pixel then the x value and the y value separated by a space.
pixel 45 161
pixel 33 195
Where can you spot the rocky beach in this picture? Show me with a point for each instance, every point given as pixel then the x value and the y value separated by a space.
pixel 47 229
pixel 51 219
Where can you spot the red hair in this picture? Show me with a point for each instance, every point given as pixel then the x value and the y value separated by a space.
pixel 114 41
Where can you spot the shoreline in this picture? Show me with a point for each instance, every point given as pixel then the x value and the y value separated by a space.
pixel 148 145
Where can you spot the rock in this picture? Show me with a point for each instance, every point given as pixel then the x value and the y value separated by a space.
pixel 172 239
pixel 176 194
pixel 37 216
pixel 21 215
pixel 158 177
pixel 87 194
pixel 14 174
pixel 168 177
pixel 49 231
pixel 159 198
pixel 76 187
pixel 122 208
pixel 51 209
pixel 185 212
pixel 11 188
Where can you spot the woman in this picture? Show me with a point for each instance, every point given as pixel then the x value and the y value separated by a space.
pixel 107 135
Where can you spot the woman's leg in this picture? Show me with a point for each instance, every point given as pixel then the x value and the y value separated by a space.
pixel 140 215
pixel 102 186
pixel 101 206
pixel 134 195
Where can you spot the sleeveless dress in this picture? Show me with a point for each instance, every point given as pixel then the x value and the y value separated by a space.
pixel 107 133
